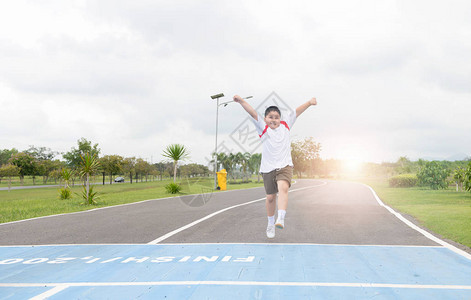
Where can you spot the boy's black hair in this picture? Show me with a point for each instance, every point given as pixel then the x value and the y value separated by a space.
pixel 272 108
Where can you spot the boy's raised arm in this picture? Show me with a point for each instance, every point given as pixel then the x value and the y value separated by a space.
pixel 246 106
pixel 304 106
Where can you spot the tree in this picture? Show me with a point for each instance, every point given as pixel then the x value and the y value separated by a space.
pixel 235 159
pixel 303 153
pixel 6 154
pixel 41 153
pixel 46 167
pixel 404 165
pixel 9 171
pixel 73 157
pixel 254 164
pixel 467 178
pixel 244 159
pixel 67 175
pixel 459 177
pixel 26 164
pixel 299 160
pixel 176 152
pixel 55 174
pixel 433 174
pixel 129 166
pixel 112 165
pixel 193 170
pixel 162 168
pixel 89 166
pixel 142 168
pixel 223 160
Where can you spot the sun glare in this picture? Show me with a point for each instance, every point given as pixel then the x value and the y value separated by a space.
pixel 352 165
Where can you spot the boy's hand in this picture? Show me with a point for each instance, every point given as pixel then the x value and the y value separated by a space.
pixel 313 101
pixel 237 98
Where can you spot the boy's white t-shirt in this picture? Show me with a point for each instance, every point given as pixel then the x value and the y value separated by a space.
pixel 276 152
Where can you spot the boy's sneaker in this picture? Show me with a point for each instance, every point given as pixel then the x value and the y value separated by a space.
pixel 280 223
pixel 270 231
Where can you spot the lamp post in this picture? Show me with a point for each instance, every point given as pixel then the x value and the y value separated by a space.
pixel 217 96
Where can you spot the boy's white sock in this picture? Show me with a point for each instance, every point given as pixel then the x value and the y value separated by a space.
pixel 271 220
pixel 281 213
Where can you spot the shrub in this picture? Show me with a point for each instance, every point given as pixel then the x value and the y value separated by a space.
pixel 239 182
pixel 434 175
pixel 173 188
pixel 403 180
pixel 65 194
pixel 91 197
pixel 467 178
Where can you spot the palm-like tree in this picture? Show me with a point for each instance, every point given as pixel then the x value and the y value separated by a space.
pixel 223 160
pixel 89 166
pixel 176 152
pixel 245 163
pixel 254 163
pixel 67 175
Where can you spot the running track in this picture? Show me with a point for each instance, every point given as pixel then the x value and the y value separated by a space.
pixel 340 242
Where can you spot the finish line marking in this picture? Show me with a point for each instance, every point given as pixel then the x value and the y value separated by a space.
pixel 166 236
pixel 61 286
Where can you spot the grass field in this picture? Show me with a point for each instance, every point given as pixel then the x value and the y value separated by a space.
pixel 30 203
pixel 28 180
pixel 445 212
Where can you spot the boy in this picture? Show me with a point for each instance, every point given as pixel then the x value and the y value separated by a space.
pixel 276 166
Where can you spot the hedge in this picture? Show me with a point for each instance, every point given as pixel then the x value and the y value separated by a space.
pixel 403 180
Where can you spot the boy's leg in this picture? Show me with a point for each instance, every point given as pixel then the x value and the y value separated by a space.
pixel 270 204
pixel 283 187
pixel 283 182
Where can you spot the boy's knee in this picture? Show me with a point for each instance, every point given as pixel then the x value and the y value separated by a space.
pixel 283 185
pixel 271 197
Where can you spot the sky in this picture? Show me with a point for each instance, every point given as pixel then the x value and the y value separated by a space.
pixel 392 78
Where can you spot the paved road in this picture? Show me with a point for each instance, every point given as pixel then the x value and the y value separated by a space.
pixel 322 212
pixel 339 243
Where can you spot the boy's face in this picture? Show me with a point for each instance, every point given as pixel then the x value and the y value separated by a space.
pixel 273 119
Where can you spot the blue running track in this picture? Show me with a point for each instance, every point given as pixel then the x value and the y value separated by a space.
pixel 233 271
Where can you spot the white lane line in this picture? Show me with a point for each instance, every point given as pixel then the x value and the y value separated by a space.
pixel 51 292
pixel 166 236
pixel 417 228
pixel 61 286
pixel 218 244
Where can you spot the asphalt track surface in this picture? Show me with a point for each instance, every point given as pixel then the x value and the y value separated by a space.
pixel 327 220
pixel 332 213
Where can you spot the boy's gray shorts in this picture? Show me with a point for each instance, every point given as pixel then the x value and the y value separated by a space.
pixel 270 179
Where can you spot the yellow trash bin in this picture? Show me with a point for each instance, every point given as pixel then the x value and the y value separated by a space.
pixel 222 179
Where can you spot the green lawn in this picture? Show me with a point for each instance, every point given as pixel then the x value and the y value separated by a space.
pixel 28 180
pixel 30 203
pixel 445 212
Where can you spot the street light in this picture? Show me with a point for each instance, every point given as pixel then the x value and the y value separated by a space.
pixel 217 96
